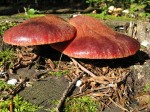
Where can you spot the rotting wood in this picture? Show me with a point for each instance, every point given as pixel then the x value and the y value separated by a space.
pixel 59 106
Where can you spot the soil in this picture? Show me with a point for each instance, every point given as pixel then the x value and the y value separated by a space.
pixel 51 88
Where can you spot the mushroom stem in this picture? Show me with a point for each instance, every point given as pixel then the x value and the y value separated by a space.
pixel 59 61
pixel 83 68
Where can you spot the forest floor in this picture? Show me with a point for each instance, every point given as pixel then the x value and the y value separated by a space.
pixel 47 87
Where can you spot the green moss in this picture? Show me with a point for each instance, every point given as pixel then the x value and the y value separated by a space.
pixel 4 25
pixel 59 73
pixel 52 103
pixel 4 86
pixel 82 104
pixel 20 105
pixel 146 87
pixel 7 58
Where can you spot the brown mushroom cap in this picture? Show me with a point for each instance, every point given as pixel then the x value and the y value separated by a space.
pixel 40 30
pixel 94 40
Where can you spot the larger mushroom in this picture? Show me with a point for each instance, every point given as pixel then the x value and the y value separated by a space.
pixel 94 40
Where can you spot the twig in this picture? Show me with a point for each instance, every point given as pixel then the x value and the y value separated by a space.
pixel 104 105
pixel 88 92
pixel 11 105
pixel 83 68
pixel 66 92
pixel 18 87
pixel 143 107
pixel 118 105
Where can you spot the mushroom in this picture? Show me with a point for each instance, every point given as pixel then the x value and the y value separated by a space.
pixel 38 31
pixel 94 40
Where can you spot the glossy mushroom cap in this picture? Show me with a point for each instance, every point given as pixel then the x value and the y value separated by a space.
pixel 94 40
pixel 40 30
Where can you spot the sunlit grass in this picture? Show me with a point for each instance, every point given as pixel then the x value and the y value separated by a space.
pixel 22 15
pixel 100 16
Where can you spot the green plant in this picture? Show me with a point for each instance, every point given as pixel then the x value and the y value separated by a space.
pixel 20 105
pixel 7 58
pixel 83 104
pixel 30 11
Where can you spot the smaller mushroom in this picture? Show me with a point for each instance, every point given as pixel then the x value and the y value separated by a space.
pixel 38 31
